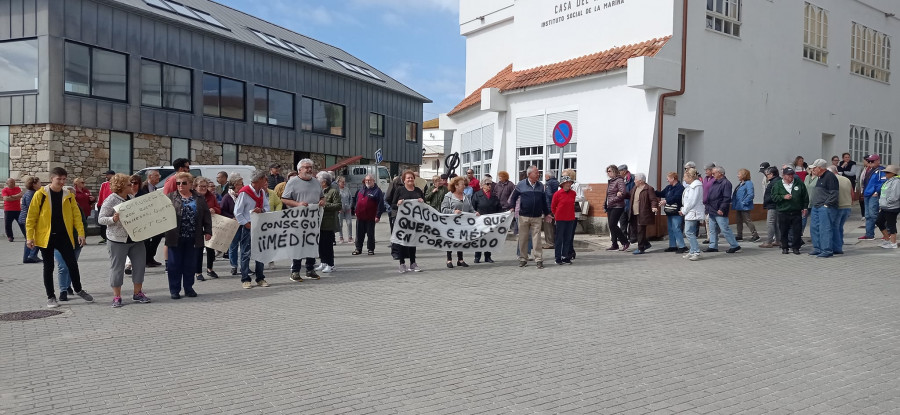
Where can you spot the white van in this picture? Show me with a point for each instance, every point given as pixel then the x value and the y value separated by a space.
pixel 208 171
pixel 355 173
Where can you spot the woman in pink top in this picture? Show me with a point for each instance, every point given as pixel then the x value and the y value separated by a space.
pixel 12 205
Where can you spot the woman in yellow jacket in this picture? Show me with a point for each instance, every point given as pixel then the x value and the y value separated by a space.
pixel 54 215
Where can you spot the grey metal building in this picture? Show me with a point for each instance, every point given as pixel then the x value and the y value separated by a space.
pixel 123 84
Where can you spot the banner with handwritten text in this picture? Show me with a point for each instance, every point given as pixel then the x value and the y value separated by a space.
pixel 285 234
pixel 147 216
pixel 223 230
pixel 420 225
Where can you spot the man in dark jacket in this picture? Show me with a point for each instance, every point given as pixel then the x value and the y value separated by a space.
pixel 718 203
pixel 773 234
pixel 369 202
pixel 274 177
pixel 532 210
pixel 630 229
pixel 551 185
pixel 824 203
pixel 791 200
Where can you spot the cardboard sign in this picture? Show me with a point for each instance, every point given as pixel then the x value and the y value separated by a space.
pixel 286 234
pixel 147 216
pixel 421 226
pixel 223 231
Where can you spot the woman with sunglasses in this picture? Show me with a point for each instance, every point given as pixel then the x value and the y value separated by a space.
pixel 184 241
pixel 203 188
pixel 120 245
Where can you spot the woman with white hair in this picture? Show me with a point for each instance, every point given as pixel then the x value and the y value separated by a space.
pixel 693 211
pixel 329 219
pixel 643 209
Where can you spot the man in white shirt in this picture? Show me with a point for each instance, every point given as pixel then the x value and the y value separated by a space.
pixel 251 199
pixel 303 190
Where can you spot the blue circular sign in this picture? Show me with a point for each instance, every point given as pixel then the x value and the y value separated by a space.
pixel 562 133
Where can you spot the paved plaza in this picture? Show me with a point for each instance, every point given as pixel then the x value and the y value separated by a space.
pixel 755 332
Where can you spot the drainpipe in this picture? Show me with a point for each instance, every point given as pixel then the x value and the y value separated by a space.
pixel 662 98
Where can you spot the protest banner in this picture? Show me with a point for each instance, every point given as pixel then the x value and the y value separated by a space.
pixel 147 216
pixel 421 226
pixel 285 234
pixel 223 230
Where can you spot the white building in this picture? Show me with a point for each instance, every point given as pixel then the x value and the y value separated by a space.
pixel 763 80
pixel 434 140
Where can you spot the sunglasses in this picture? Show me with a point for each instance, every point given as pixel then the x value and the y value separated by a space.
pixel 182 183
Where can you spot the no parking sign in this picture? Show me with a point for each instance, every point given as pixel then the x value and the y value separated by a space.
pixel 562 133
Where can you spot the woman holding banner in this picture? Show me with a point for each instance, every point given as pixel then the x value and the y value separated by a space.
pixel 408 191
pixel 120 245
pixel 194 226
pixel 486 202
pixel 456 202
pixel 204 189
pixel 329 221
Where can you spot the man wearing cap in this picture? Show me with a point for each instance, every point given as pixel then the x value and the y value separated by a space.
pixel 872 186
pixel 101 196
pixel 845 201
pixel 631 231
pixel 718 202
pixel 274 175
pixel 824 204
pixel 791 200
pixel 773 231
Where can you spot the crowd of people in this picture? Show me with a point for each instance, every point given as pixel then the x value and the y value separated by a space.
pixel 53 217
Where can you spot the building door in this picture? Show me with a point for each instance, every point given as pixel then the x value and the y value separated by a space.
pixel 682 157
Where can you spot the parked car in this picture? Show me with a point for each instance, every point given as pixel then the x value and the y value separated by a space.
pixel 355 173
pixel 208 171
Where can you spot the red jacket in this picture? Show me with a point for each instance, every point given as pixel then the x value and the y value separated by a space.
pixel 103 194
pixel 211 202
pixel 563 205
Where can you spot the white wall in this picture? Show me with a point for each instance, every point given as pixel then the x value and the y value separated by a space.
pixel 488 51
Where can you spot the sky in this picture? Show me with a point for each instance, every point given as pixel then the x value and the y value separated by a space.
pixel 416 42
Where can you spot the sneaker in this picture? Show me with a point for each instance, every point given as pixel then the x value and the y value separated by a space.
pixel 687 255
pixel 295 276
pixel 70 290
pixel 247 285
pixel 141 298
pixel 711 250
pixel 402 268
pixel 190 293
pixel 371 253
pixel 695 256
pixel 888 245
pixel 638 251
pixel 705 241
pixel 755 238
pixel 51 303
pixel 540 264
pixel 864 237
pixel 117 302
pixel 212 274
pixel 415 268
pixel 328 269
pixel 613 248
pixel 320 266
pixel 63 296
pixel 522 263
pixel 199 277
pixel 262 283
pixel 766 245
pixel 312 274
pixel 671 249
pixel 85 296
pixel 733 250
pixel 233 270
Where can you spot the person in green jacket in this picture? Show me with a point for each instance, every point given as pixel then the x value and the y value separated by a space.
pixel 791 200
pixel 332 206
pixel 435 196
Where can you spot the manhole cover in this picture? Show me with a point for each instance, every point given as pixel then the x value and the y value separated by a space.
pixel 28 315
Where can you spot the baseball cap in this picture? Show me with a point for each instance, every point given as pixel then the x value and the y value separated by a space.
pixel 763 166
pixel 873 157
pixel 110 172
pixel 787 171
pixel 820 163
pixel 623 167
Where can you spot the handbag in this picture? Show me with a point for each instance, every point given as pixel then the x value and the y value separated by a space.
pixel 670 208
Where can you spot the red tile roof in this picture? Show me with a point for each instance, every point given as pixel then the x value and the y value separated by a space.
pixel 434 123
pixel 608 60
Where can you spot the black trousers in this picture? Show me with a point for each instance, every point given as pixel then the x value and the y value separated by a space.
pixel 326 247
pixel 487 256
pixel 402 253
pixel 365 229
pixel 152 245
pixel 10 216
pixel 61 243
pixel 614 215
pixel 210 258
pixel 791 225
pixel 458 255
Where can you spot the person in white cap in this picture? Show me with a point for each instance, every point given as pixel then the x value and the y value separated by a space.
pixel 824 204
pixel 889 203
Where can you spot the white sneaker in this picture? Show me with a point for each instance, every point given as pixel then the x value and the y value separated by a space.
pixel 695 256
pixel 402 268
pixel 327 269
pixel 687 255
pixel 415 268
pixel 888 245
pixel 320 267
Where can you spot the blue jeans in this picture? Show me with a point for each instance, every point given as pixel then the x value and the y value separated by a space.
pixel 65 281
pixel 676 231
pixel 871 215
pixel 838 244
pixel 822 227
pixel 182 263
pixel 233 258
pixel 245 258
pixel 690 228
pixel 720 224
pixel 30 253
pixel 565 235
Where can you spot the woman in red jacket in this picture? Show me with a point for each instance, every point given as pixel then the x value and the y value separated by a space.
pixel 563 207
pixel 203 186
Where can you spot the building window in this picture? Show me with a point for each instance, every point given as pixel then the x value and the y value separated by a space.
pixel 531 151
pixel 322 117
pixel 166 86
pixel 884 146
pixel 436 165
pixel 724 16
pixel 273 107
pixel 4 151
pixel 870 53
pixel 120 152
pixel 466 158
pixel 859 142
pixel 229 154
pixel 815 33
pixel 476 156
pixel 96 72
pixel 356 68
pixel 181 148
pixel 412 131
pixel 376 124
pixel 223 97
pixel 19 71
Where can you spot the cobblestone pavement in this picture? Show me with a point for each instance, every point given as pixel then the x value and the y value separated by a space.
pixel 752 332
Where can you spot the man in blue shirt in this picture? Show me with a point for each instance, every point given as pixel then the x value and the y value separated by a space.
pixel 870 193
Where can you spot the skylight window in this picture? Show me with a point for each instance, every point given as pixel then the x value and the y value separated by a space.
pixel 208 18
pixel 301 50
pixel 180 9
pixel 171 6
pixel 356 68
pixel 264 37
